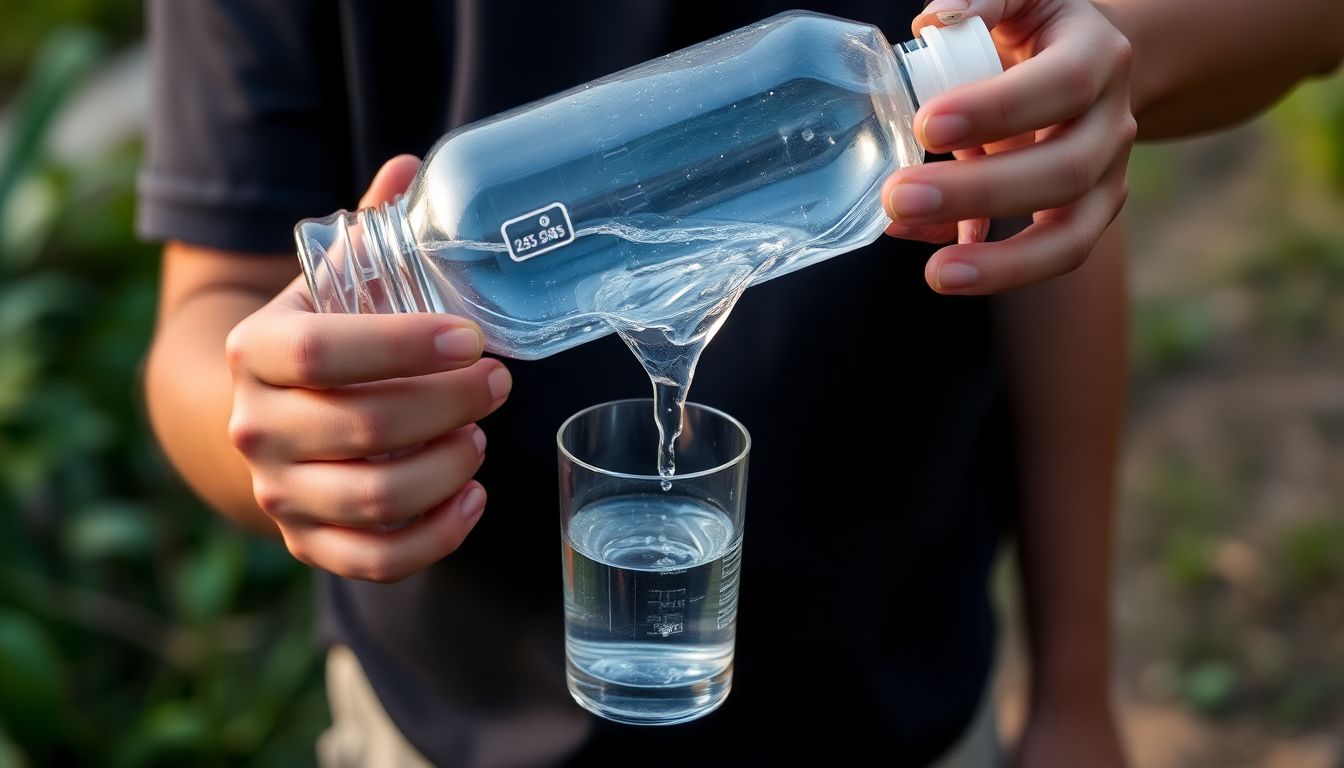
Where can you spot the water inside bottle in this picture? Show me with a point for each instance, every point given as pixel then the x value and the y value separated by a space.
pixel 768 183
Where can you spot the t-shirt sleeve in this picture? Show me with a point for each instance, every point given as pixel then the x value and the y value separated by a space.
pixel 248 129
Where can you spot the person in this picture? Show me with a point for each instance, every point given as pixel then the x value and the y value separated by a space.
pixel 866 621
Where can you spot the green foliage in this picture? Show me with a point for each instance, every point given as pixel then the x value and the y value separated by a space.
pixel 136 629
pixel 1208 686
pixel 62 63
pixel 1168 335
pixel 1299 278
pixel 1313 116
pixel 1307 696
pixel 1150 174
pixel 1312 556
pixel 1188 507
pixel 27 24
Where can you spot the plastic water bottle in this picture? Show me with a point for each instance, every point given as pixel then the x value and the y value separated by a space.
pixel 764 150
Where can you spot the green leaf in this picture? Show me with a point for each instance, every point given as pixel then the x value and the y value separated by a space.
pixel 19 368
pixel 28 219
pixel 1168 335
pixel 171 729
pixel 27 301
pixel 1309 557
pixel 208 579
pixel 11 756
pixel 1308 696
pixel 109 528
pixel 32 680
pixel 65 59
pixel 1209 686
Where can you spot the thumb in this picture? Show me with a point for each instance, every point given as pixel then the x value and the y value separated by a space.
pixel 295 296
pixel 945 13
pixel 391 180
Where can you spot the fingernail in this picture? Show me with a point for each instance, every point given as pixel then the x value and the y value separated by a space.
pixel 478 437
pixel 949 11
pixel 957 274
pixel 458 344
pixel 943 130
pixel 473 502
pixel 910 199
pixel 500 382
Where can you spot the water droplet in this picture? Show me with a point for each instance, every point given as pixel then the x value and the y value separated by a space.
pixel 808 134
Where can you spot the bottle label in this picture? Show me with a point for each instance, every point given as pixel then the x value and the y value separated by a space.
pixel 537 232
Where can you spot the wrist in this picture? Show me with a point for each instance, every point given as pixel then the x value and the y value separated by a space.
pixel 1074 676
pixel 1056 691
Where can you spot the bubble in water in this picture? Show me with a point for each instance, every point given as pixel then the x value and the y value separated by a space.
pixel 808 134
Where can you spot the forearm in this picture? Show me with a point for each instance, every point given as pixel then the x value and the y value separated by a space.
pixel 188 385
pixel 1206 64
pixel 1065 364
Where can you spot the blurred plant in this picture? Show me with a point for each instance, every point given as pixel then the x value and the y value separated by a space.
pixel 1299 278
pixel 1168 335
pixel 135 628
pixel 1312 555
pixel 1313 116
pixel 1208 686
pixel 1189 507
pixel 27 24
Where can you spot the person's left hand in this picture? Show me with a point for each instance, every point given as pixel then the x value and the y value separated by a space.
pixel 1049 138
pixel 1063 735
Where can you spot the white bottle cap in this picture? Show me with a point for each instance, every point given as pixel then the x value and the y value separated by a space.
pixel 952 56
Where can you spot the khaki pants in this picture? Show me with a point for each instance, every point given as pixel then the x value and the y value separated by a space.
pixel 363 736
pixel 361 733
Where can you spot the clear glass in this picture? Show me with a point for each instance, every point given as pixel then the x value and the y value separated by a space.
pixel 774 139
pixel 651 576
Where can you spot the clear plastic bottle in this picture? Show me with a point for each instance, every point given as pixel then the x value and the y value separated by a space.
pixel 768 144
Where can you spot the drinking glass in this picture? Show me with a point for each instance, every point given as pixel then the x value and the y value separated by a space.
pixel 651 575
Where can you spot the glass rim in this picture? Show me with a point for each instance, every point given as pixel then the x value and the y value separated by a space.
pixel 736 459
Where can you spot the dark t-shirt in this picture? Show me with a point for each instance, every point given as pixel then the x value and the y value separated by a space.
pixel 875 501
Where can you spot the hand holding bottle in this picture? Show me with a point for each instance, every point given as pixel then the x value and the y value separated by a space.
pixel 1049 138
pixel 358 431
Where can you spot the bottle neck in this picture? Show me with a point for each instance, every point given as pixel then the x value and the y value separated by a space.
pixel 913 77
pixel 895 106
pixel 363 262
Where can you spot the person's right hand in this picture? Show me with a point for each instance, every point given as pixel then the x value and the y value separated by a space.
pixel 358 429
pixel 1049 139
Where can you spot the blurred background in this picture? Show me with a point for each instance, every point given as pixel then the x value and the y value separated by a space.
pixel 136 629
